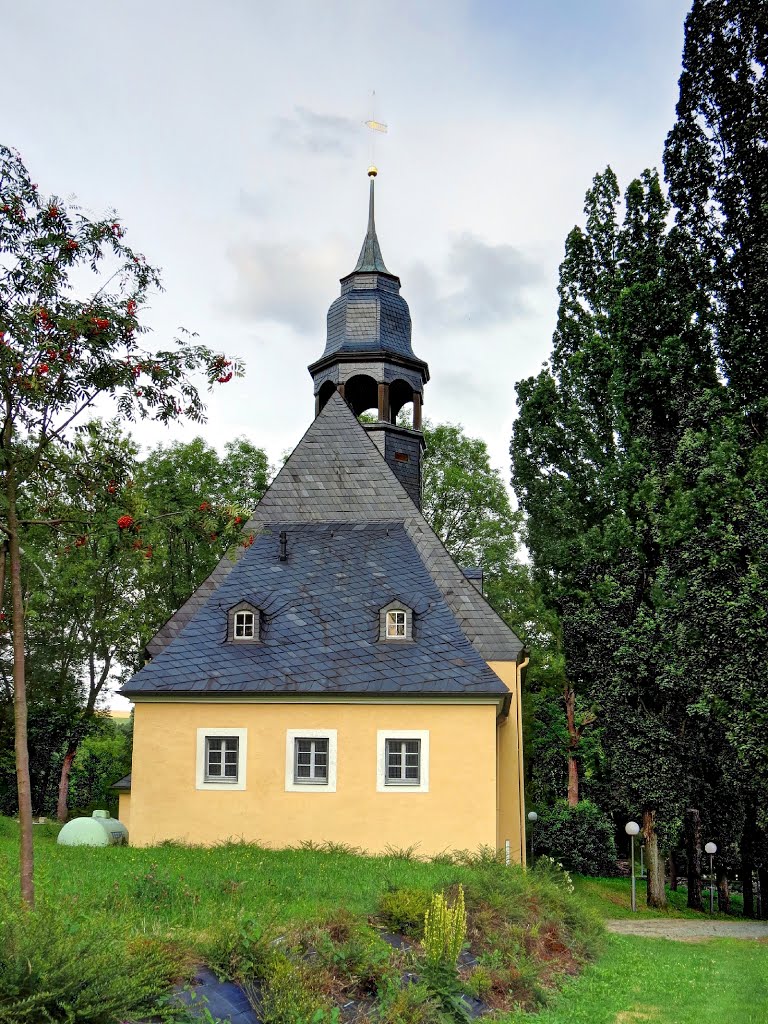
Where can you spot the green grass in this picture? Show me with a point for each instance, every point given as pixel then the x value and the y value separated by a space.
pixel 612 898
pixel 662 982
pixel 187 898
pixel 181 892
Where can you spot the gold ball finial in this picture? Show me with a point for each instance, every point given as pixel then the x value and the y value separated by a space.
pixel 372 171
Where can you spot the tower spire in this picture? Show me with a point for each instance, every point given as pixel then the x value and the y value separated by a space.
pixel 371 260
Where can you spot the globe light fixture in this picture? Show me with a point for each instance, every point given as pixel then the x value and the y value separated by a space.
pixel 632 828
pixel 711 849
pixel 532 818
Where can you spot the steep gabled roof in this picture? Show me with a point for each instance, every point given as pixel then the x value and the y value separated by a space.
pixel 337 474
pixel 319 631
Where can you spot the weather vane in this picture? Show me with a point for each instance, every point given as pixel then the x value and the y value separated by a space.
pixel 376 127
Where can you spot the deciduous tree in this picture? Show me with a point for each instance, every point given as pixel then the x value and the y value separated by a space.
pixel 64 344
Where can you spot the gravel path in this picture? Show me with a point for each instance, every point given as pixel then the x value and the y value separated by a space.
pixel 687 930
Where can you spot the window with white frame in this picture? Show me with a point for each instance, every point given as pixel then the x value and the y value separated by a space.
pixel 402 761
pixel 396 624
pixel 221 758
pixel 245 625
pixel 311 761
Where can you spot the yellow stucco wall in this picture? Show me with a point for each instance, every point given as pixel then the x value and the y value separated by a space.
pixel 510 797
pixel 459 811
pixel 124 811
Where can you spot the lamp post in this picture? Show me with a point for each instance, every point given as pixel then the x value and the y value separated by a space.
pixel 711 849
pixel 533 818
pixel 632 828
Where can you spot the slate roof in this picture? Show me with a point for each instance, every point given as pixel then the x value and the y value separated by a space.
pixel 370 315
pixel 320 622
pixel 370 257
pixel 336 474
pixel 123 784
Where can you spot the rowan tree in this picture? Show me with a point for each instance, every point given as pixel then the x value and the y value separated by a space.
pixel 72 292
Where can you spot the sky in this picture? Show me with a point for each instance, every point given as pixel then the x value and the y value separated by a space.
pixel 229 138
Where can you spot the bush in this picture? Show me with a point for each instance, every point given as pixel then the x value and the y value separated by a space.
pixel 403 910
pixel 52 972
pixel 581 838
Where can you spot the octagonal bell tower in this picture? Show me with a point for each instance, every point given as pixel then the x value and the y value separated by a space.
pixel 368 358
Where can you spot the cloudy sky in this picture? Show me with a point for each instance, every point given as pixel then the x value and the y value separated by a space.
pixel 228 135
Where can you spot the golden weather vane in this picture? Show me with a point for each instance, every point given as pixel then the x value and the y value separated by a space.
pixel 375 127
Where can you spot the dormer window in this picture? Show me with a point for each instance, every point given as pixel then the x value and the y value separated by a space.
pixel 244 625
pixel 395 623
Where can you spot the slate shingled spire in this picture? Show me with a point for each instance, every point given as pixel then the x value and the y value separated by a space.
pixel 369 360
pixel 371 259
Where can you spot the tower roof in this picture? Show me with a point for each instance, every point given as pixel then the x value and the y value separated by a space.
pixel 370 315
pixel 370 259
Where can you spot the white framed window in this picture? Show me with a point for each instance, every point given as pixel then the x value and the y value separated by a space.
pixel 402 762
pixel 245 625
pixel 221 759
pixel 310 760
pixel 396 624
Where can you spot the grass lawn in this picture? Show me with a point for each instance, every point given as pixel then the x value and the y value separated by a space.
pixel 723 981
pixel 173 904
pixel 182 893
pixel 612 898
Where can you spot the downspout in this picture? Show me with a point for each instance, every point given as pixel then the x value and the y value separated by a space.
pixel 521 667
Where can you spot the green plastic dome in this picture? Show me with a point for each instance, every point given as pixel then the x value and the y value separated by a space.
pixel 98 830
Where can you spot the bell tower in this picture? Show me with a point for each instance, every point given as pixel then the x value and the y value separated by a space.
pixel 368 358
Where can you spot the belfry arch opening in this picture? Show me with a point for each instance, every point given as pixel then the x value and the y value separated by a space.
pixel 325 392
pixel 361 393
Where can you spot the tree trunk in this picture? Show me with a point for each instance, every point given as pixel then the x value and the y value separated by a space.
pixel 654 862
pixel 693 856
pixel 62 810
pixel 573 744
pixel 723 891
pixel 762 878
pixel 673 871
pixel 747 851
pixel 23 785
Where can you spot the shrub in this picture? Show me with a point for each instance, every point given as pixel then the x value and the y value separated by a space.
pixel 239 954
pixel 408 1004
pixel 581 838
pixel 284 994
pixel 403 910
pixel 52 971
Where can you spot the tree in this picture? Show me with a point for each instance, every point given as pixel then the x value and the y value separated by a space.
pixel 60 351
pixel 629 377
pixel 716 161
pixel 467 505
pixel 193 503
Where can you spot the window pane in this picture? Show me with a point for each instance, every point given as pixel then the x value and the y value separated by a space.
pixel 396 624
pixel 245 624
pixel 403 760
pixel 221 757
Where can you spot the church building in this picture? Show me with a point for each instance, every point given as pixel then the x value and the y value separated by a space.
pixel 343 679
